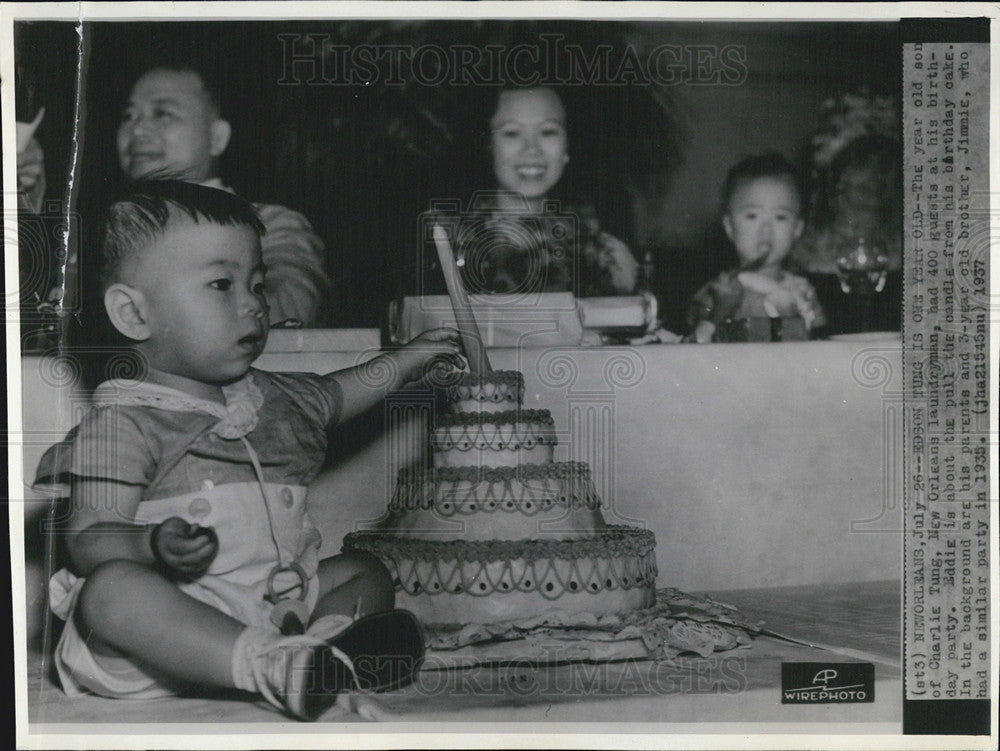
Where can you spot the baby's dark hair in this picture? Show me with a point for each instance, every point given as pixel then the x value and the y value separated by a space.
pixel 771 164
pixel 144 213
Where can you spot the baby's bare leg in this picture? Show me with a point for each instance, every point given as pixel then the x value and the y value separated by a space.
pixel 352 581
pixel 139 612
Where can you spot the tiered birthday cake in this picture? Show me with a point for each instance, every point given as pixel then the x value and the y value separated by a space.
pixel 497 530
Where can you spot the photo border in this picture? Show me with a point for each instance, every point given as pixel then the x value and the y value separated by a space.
pixel 459 734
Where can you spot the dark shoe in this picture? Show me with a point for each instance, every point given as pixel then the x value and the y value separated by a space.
pixel 385 649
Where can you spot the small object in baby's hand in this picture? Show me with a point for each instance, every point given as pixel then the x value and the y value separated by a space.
pixel 197 530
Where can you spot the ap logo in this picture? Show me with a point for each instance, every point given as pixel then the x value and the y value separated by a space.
pixel 824 677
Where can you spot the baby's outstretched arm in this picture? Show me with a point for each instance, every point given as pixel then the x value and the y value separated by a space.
pixel 102 528
pixel 365 385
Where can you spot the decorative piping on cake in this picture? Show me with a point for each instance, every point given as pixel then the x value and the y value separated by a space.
pixel 617 558
pixel 613 541
pixel 506 377
pixel 526 488
pixel 498 386
pixel 541 416
pixel 560 470
pixel 528 431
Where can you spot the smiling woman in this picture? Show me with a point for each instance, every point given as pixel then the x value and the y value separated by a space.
pixel 520 237
pixel 528 142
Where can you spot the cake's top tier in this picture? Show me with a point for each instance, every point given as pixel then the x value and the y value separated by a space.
pixel 496 391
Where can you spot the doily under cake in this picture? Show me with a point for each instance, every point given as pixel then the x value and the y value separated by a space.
pixel 677 624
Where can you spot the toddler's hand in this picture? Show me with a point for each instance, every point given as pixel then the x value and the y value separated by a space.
pixel 703 332
pixel 727 294
pixel 431 349
pixel 184 550
pixel 780 300
pixel 617 260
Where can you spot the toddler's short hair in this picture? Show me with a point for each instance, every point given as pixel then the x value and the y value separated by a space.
pixel 771 164
pixel 145 212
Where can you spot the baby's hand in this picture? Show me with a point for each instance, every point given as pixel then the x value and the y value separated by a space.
pixel 184 550
pixel 431 349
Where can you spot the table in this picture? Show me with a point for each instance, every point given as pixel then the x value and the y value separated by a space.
pixel 719 694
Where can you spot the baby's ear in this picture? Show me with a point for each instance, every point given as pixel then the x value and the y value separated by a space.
pixel 727 224
pixel 125 306
pixel 219 136
pixel 800 225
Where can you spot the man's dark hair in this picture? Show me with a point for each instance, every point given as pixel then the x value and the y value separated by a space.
pixel 146 210
pixel 771 164
pixel 181 61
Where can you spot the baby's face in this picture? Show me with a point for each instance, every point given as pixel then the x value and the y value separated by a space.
pixel 203 287
pixel 529 141
pixel 169 125
pixel 763 220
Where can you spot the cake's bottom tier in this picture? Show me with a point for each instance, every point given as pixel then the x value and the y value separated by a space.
pixel 611 571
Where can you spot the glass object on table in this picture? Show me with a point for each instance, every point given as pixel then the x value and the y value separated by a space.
pixel 862 270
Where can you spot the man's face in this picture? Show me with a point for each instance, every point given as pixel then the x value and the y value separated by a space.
pixel 170 125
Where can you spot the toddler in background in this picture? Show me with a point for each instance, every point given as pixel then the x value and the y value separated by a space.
pixel 192 560
pixel 762 217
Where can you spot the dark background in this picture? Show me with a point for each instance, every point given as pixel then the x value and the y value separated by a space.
pixel 362 162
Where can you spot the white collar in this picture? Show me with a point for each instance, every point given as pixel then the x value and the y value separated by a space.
pixel 236 418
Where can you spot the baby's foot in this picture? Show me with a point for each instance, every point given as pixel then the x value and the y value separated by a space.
pixel 294 673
